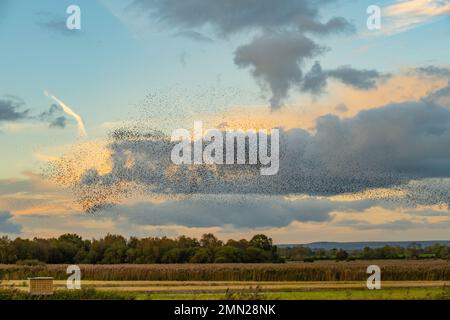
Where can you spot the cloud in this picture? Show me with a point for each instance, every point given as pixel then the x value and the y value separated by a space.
pixel 53 117
pixel 10 109
pixel 229 17
pixel 407 14
pixel 59 122
pixel 434 71
pixel 285 29
pixel 212 212
pixel 67 110
pixel 341 108
pixel 275 59
pixel 6 226
pixel 385 147
pixel 218 211
pixel 441 96
pixel 315 80
pixel 193 35
pixel 359 79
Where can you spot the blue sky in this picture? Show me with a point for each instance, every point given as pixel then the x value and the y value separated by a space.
pixel 111 64
pixel 105 71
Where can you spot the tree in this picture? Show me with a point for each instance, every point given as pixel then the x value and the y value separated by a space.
pixel 7 251
pixel 229 254
pixel 261 241
pixel 114 249
pixel 256 255
pixel 68 246
pixel 241 244
pixel 209 240
pixel 341 255
pixel 178 255
pixel 202 255
pixel 24 249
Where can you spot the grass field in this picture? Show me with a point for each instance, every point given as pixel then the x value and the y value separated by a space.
pixel 234 290
pixel 401 279
pixel 201 287
pixel 167 290
pixel 348 294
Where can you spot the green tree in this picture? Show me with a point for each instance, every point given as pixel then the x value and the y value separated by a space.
pixel 7 251
pixel 210 241
pixel 341 255
pixel 261 241
pixel 229 254
pixel 202 255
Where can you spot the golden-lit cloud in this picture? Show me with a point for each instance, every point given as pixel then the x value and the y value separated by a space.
pixel 341 100
pixel 406 14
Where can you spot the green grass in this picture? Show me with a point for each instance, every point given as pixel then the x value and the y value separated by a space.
pixel 180 287
pixel 385 294
pixel 442 293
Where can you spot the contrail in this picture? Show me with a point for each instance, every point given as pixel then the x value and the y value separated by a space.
pixel 70 113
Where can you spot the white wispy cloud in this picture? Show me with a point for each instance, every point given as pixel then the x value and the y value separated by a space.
pixel 67 110
pixel 407 14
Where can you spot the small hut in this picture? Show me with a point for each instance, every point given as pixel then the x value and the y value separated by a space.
pixel 41 286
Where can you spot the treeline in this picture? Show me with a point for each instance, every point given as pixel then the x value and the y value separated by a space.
pixel 115 249
pixel 413 251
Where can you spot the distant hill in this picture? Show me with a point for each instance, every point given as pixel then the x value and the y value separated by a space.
pixel 361 245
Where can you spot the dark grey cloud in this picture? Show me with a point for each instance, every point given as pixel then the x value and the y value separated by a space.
pixel 434 71
pixel 285 29
pixel 359 79
pixel 228 17
pixel 275 60
pixel 193 35
pixel 316 79
pixel 334 25
pixel 54 116
pixel 241 214
pixel 10 109
pixel 59 122
pixel 441 96
pixel 213 211
pixel 6 226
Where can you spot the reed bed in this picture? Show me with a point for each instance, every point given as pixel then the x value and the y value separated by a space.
pixel 392 270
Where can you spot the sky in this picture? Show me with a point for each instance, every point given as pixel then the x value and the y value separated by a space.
pixel 364 116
